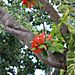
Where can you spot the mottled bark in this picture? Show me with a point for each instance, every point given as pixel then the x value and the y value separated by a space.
pixel 51 11
pixel 54 15
pixel 14 28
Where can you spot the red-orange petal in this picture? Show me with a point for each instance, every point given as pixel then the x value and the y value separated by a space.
pixel 37 51
pixel 49 37
pixel 24 2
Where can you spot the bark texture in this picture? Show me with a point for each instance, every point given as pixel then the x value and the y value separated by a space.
pixel 14 28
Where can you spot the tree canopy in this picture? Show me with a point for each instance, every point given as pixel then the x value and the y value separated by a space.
pixel 37 24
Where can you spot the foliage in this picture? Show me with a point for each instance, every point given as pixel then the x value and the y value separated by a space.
pixel 12 53
pixel 68 19
pixel 10 48
pixel 71 62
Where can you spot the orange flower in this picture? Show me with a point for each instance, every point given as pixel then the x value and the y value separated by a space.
pixel 24 2
pixel 37 51
pixel 39 40
pixel 49 37
pixel 42 38
pixel 31 4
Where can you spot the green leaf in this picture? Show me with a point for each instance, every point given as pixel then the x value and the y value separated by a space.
pixel 48 43
pixel 24 6
pixel 57 47
pixel 42 46
pixel 33 49
pixel 71 29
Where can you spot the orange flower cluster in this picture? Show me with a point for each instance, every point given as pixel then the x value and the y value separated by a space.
pixel 29 3
pixel 39 40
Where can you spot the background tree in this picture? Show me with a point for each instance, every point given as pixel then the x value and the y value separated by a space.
pixel 26 36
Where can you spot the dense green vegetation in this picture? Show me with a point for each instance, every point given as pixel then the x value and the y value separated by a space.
pixel 13 53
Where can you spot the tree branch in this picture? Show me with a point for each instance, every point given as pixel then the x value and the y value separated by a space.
pixel 14 28
pixel 51 11
pixel 54 15
pixel 51 62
